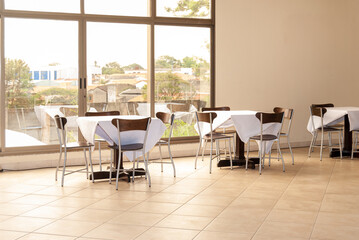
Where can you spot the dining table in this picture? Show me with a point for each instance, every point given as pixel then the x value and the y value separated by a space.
pixel 333 116
pixel 103 127
pixel 247 125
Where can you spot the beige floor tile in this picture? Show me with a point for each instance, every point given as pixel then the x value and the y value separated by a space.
pixel 253 203
pixel 24 224
pixel 23 188
pixel 68 228
pixel 205 235
pixel 199 210
pixel 130 195
pixel 113 204
pixel 167 234
pixel 170 198
pixel 92 215
pixel 345 219
pixel 74 202
pixel 141 219
pixel 94 193
pixel 50 212
pixel 4 217
pixel 15 209
pixel 185 222
pixel 155 207
pixel 39 236
pixel 302 195
pixel 275 230
pixel 211 200
pixel 302 205
pixel 35 199
pixel 258 214
pixel 341 203
pixel 116 231
pixel 292 216
pixel 335 232
pixel 8 235
pixel 58 191
pixel 262 194
pixel 7 197
pixel 239 225
pixel 219 191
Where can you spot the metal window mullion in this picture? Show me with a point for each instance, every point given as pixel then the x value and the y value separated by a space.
pixel 2 86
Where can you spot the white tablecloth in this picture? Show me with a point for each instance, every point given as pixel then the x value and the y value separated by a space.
pixel 333 116
pixel 103 127
pixel 245 122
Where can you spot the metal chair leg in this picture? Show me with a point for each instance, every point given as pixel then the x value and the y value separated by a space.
pixel 281 156
pixel 112 159
pixel 58 164
pixel 340 145
pixel 146 168
pixel 87 165
pixel 321 145
pixel 118 170
pixel 133 167
pixel 64 168
pixel 173 164
pixel 199 148
pixel 290 149
pixel 159 148
pixel 311 146
pixel 91 166
pixel 210 158
pixel 230 154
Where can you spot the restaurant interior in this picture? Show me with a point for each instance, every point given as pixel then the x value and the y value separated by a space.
pixel 179 119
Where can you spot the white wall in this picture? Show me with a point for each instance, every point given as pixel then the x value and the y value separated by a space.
pixel 288 53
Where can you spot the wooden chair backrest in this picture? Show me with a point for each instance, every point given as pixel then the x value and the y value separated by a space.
pixel 69 111
pixel 270 117
pixel 95 114
pixel 323 105
pixel 224 108
pixel 179 107
pixel 60 122
pixel 288 112
pixel 166 118
pixel 206 117
pixel 131 124
pixel 318 111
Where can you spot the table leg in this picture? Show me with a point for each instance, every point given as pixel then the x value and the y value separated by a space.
pixel 239 159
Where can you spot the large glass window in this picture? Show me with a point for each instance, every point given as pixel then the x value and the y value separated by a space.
pixel 33 101
pixel 184 8
pixel 117 68
pixel 182 73
pixel 117 7
pixel 66 6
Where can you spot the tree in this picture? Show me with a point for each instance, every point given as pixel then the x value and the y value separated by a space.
pixel 167 62
pixel 170 86
pixel 18 85
pixel 112 68
pixel 198 65
pixel 133 66
pixel 191 8
pixel 59 95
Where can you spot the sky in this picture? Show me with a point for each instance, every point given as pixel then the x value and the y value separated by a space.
pixel 40 42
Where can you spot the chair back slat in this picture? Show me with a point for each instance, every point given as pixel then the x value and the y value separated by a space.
pixel 224 108
pixel 60 122
pixel 288 112
pixel 179 107
pixel 318 111
pixel 207 117
pixel 131 124
pixel 270 117
pixel 95 114
pixel 166 118
pixel 323 105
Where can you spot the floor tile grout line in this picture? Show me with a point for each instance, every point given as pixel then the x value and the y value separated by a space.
pixel 331 175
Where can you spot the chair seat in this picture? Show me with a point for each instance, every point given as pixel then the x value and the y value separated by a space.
pixel 162 142
pixel 265 137
pixel 128 147
pixel 78 145
pixel 216 136
pixel 100 140
pixel 225 131
pixel 330 129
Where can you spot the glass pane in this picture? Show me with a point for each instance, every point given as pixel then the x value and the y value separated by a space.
pixel 117 7
pixel 182 74
pixel 66 6
pixel 184 8
pixel 117 68
pixel 41 76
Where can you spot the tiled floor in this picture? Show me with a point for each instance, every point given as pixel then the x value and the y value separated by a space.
pixel 311 200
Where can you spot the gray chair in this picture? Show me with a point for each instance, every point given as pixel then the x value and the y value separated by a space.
pixel 207 118
pixel 64 147
pixel 322 129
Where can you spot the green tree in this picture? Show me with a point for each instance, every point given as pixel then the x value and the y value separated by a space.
pixel 133 66
pixel 169 86
pixel 198 65
pixel 59 95
pixel 191 8
pixel 112 68
pixel 18 85
pixel 167 62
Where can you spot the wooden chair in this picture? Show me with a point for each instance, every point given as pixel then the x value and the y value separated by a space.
pixel 124 125
pixel 288 116
pixel 320 112
pixel 100 140
pixel 328 105
pixel 181 107
pixel 64 147
pixel 207 118
pixel 229 131
pixel 263 138
pixel 168 119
